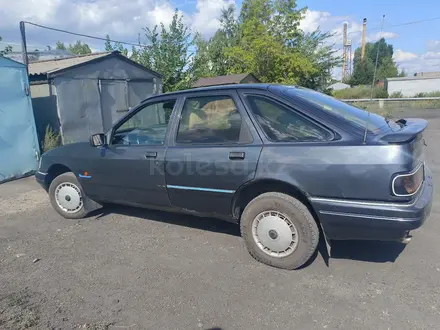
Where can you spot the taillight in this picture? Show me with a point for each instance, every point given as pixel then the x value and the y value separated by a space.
pixel 408 184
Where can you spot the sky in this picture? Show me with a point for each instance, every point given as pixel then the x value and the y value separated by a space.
pixel 416 46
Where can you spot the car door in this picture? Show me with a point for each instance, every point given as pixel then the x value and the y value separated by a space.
pixel 214 150
pixel 130 169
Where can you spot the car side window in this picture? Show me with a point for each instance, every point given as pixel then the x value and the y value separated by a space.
pixel 148 126
pixel 212 120
pixel 281 124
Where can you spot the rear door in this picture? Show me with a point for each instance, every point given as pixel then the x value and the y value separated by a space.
pixel 214 149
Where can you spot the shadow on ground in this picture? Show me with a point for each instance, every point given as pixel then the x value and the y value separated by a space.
pixel 370 251
pixel 210 224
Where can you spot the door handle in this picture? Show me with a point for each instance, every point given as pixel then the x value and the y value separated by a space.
pixel 151 154
pixel 236 155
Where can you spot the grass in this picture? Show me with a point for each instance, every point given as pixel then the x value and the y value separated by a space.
pixel 364 92
pixel 431 94
pixel 360 92
pixel 18 312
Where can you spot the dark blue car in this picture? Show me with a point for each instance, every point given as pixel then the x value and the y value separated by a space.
pixel 282 162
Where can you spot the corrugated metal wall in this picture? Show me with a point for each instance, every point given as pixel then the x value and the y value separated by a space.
pixel 18 137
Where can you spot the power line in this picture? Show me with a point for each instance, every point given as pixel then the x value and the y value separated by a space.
pixel 93 37
pixel 86 35
pixel 392 26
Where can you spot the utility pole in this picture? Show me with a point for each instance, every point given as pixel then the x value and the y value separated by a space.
pixel 23 45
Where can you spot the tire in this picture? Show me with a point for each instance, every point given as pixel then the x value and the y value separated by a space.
pixel 71 188
pixel 279 212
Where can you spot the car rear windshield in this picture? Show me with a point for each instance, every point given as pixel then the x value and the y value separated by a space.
pixel 375 123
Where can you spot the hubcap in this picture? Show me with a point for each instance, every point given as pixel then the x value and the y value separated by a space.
pixel 275 234
pixel 68 197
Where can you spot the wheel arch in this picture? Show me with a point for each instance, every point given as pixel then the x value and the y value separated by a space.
pixel 252 189
pixel 54 171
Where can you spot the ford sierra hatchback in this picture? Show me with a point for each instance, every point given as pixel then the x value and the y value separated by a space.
pixel 287 164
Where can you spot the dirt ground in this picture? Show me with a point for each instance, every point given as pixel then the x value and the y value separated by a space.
pixel 127 268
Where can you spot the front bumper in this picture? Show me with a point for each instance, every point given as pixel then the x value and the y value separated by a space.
pixel 364 220
pixel 40 177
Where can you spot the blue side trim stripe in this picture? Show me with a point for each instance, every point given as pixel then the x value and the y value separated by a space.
pixel 201 189
pixel 85 176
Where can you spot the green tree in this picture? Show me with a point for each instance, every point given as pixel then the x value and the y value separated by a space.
pixel 169 53
pixel 210 59
pixel 60 45
pixel 7 49
pixel 271 45
pixel 266 40
pixel 402 73
pixel 117 46
pixel 387 69
pixel 321 54
pixel 77 48
pixel 363 72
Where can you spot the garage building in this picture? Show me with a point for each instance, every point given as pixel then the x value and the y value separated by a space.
pixel 83 95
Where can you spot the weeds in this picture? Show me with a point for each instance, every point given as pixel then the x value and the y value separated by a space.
pixel 17 312
pixel 51 139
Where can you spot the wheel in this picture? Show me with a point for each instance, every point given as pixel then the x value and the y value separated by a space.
pixel 67 196
pixel 279 230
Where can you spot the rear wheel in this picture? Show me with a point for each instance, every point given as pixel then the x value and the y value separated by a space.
pixel 279 230
pixel 67 196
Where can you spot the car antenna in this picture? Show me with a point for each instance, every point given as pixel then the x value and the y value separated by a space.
pixel 374 77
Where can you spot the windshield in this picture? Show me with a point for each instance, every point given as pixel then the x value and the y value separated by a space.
pixel 375 123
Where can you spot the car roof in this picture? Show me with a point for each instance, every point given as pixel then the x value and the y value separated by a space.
pixel 262 86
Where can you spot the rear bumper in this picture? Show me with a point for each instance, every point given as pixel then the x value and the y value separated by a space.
pixel 349 219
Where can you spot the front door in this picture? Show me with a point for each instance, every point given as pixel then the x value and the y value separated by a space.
pixel 214 152
pixel 130 170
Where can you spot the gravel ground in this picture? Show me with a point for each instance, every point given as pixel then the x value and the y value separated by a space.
pixel 127 268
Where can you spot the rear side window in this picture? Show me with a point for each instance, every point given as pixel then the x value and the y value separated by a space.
pixel 212 120
pixel 281 124
pixel 375 123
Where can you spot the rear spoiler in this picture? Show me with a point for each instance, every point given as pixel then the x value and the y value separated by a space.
pixel 410 129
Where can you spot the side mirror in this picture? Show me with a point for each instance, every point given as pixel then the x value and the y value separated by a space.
pixel 97 140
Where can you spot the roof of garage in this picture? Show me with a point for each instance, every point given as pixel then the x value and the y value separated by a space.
pixel 48 67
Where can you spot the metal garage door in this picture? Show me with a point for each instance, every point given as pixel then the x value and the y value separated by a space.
pixel 19 148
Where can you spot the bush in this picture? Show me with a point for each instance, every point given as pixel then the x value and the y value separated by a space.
pixel 396 95
pixel 430 94
pixel 51 139
pixel 420 95
pixel 360 92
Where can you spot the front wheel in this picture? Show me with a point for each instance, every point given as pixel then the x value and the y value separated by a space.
pixel 67 196
pixel 279 230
